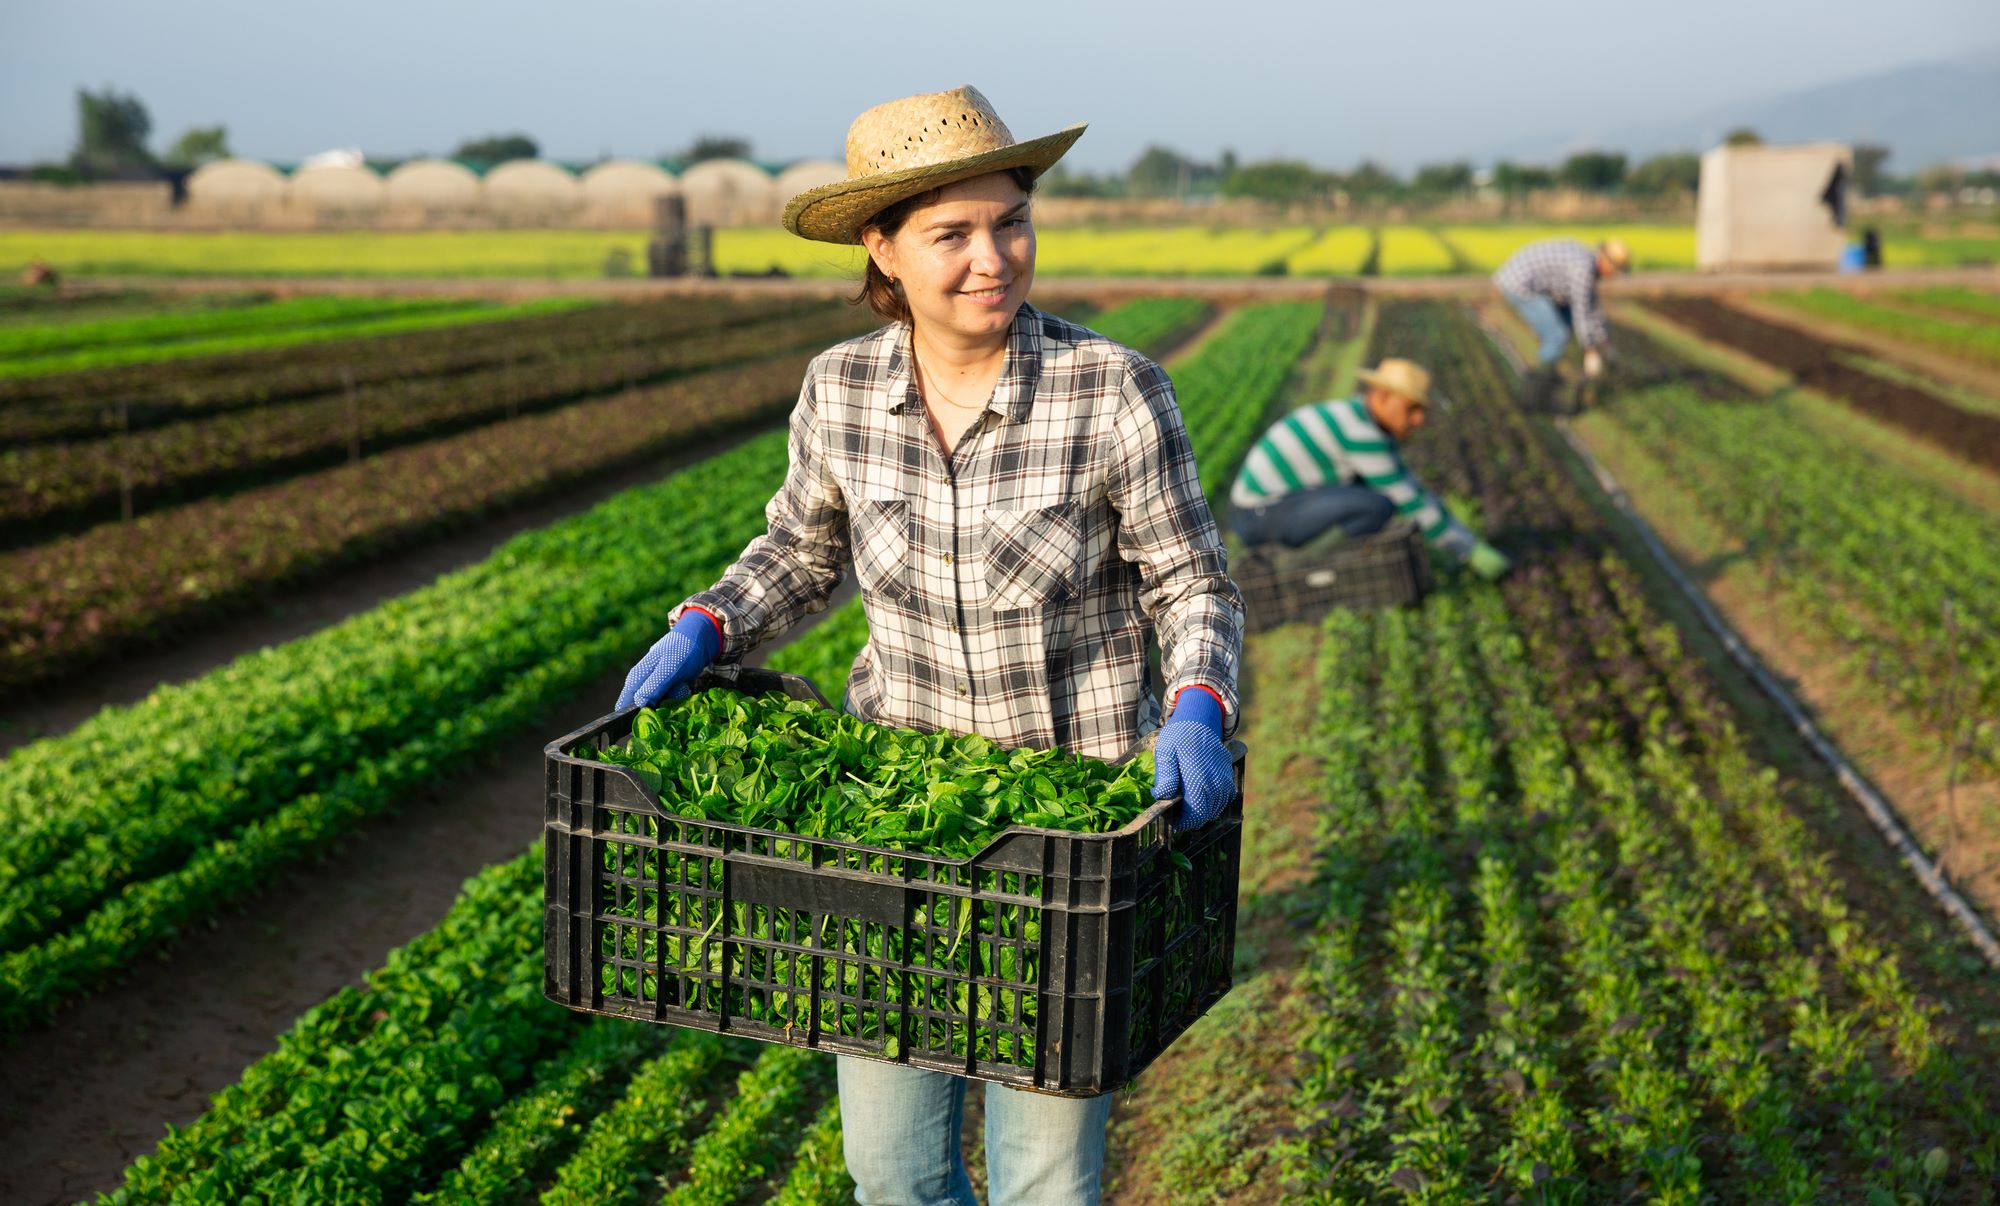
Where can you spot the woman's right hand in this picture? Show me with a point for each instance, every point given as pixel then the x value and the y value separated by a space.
pixel 674 661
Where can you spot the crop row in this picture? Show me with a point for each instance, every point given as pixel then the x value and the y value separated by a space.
pixel 1227 386
pixel 448 1078
pixel 1156 324
pixel 1575 942
pixel 152 338
pixel 64 484
pixel 1972 336
pixel 135 397
pixel 579 1110
pixel 74 600
pixel 77 599
pixel 1968 434
pixel 1901 575
pixel 147 818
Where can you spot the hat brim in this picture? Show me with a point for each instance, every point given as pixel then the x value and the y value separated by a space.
pixel 837 212
pixel 1371 377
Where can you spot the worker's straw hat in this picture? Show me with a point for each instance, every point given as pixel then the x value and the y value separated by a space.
pixel 910 146
pixel 1399 376
pixel 1616 251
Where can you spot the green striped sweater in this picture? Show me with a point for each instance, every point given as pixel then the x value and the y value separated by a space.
pixel 1339 443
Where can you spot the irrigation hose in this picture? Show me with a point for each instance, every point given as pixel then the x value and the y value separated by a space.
pixel 1879 810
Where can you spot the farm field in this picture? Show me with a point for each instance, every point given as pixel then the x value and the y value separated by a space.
pixel 1875 600
pixel 1412 251
pixel 1530 906
pixel 1065 251
pixel 1960 322
pixel 1485 248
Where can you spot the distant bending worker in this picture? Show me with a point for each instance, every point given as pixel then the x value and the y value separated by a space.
pixel 1337 465
pixel 1552 285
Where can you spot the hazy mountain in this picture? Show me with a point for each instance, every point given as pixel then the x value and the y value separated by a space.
pixel 1925 113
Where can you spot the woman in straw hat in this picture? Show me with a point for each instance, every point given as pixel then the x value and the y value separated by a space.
pixel 1018 500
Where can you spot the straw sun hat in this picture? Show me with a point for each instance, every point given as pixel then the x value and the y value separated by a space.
pixel 1399 376
pixel 910 146
pixel 1617 252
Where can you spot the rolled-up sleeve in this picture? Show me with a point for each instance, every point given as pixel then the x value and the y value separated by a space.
pixel 1586 311
pixel 794 567
pixel 1166 528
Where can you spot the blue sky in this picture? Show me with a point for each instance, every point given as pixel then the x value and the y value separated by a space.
pixel 1404 81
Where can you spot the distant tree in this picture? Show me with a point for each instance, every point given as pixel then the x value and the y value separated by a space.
pixel 715 146
pixel 1593 171
pixel 199 145
pixel 1514 179
pixel 1061 182
pixel 111 133
pixel 1370 180
pixel 1227 167
pixel 1940 178
pixel 1282 181
pixel 1162 172
pixel 1868 173
pixel 1664 175
pixel 498 148
pixel 1743 136
pixel 1443 179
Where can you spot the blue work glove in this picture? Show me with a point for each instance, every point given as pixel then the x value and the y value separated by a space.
pixel 673 662
pixel 1190 761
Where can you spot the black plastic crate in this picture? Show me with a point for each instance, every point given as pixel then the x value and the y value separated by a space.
pixel 1390 568
pixel 1061 962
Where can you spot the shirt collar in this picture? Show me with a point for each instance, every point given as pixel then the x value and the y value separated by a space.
pixel 1013 393
pixel 1360 404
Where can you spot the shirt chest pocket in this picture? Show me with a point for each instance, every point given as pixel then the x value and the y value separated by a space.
pixel 881 538
pixel 1033 557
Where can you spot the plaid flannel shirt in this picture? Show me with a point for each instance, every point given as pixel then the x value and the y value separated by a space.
pixel 1008 590
pixel 1565 272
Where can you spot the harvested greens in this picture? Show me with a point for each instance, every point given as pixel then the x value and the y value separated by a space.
pixel 788 764
pixel 902 946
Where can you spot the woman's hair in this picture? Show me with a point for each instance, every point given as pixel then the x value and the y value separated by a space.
pixel 883 295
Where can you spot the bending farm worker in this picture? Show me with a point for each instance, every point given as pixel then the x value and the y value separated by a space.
pixel 1552 285
pixel 1018 499
pixel 1339 465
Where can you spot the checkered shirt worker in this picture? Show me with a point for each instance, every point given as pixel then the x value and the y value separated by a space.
pixel 1018 500
pixel 1552 285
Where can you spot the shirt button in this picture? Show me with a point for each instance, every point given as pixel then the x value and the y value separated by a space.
pixel 964 688
pixel 947 558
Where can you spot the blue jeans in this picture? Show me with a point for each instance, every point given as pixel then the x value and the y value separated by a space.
pixel 899 1127
pixel 1551 323
pixel 1293 519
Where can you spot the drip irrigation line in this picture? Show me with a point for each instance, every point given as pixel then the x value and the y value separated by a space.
pixel 1879 810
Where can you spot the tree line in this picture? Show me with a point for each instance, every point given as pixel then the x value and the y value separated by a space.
pixel 1162 172
pixel 113 130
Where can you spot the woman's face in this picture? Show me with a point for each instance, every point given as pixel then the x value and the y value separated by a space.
pixel 965 261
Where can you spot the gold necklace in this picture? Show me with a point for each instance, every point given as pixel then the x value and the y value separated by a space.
pixel 931 387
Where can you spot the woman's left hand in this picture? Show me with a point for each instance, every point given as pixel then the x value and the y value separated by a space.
pixel 1190 760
